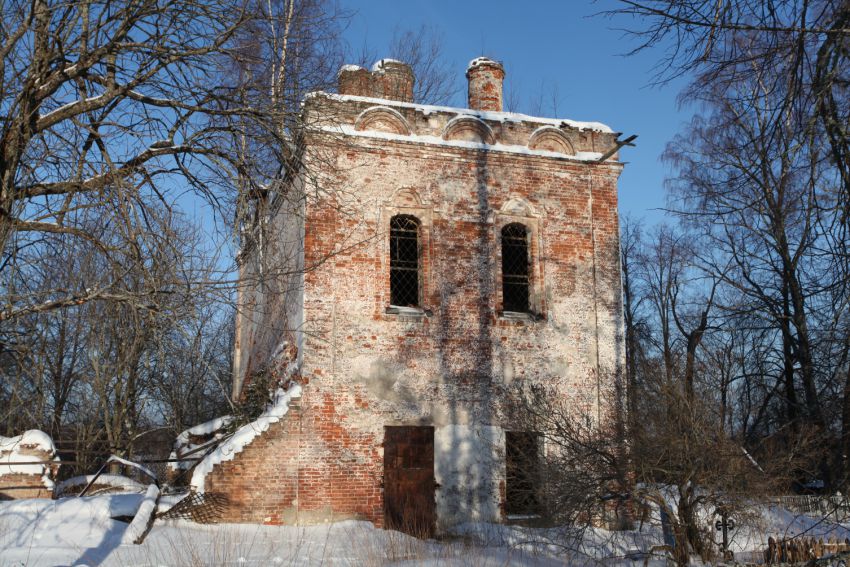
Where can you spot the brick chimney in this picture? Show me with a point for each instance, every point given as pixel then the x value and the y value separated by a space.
pixel 354 80
pixel 388 79
pixel 392 80
pixel 485 78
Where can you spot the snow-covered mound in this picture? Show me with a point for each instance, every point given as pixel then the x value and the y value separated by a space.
pixel 83 531
pixel 63 532
pixel 105 482
pixel 80 532
pixel 138 528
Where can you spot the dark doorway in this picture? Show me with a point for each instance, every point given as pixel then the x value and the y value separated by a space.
pixel 522 460
pixel 409 480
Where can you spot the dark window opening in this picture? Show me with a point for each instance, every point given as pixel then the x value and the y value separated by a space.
pixel 522 460
pixel 515 280
pixel 404 261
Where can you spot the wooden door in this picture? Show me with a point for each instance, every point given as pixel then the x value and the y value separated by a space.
pixel 409 480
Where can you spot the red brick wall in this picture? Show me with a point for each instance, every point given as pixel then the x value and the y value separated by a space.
pixel 367 368
pixel 485 85
pixel 18 486
pixel 389 80
pixel 281 478
pixel 260 484
pixel 346 297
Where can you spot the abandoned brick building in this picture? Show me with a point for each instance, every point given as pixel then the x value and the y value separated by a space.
pixel 424 260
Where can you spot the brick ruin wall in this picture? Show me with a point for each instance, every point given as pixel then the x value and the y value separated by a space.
pixel 273 481
pixel 365 368
pixel 20 486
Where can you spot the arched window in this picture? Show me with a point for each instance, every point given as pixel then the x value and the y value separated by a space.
pixel 515 268
pixel 404 261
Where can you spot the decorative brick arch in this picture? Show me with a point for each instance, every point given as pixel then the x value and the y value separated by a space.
pixel 382 119
pixel 468 129
pixel 406 197
pixel 518 207
pixel 551 139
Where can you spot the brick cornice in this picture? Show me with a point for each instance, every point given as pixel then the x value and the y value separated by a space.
pixel 424 151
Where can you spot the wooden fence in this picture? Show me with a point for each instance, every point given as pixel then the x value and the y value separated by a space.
pixel 802 549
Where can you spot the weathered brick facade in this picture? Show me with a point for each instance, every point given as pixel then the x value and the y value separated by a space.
pixel 322 280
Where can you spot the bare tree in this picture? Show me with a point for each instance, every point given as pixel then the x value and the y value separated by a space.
pixel 125 106
pixel 191 369
pixel 678 467
pixel 758 205
pixel 98 374
pixel 102 100
pixel 114 116
pixel 763 173
pixel 422 49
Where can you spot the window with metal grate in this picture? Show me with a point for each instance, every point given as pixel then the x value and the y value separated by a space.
pixel 515 268
pixel 404 261
pixel 523 468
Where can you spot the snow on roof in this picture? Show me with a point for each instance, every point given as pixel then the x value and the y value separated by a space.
pixel 478 61
pixel 350 68
pixel 379 64
pixel 483 114
pixel 349 130
pixel 244 436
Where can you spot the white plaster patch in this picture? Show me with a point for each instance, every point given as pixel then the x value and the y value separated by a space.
pixel 469 465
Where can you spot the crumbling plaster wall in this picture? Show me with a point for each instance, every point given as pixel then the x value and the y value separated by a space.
pixel 463 192
pixel 469 467
pixel 270 294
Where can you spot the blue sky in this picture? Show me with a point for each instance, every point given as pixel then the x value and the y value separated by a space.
pixel 551 47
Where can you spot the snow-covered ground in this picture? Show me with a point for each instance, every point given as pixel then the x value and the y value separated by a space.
pixel 82 532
